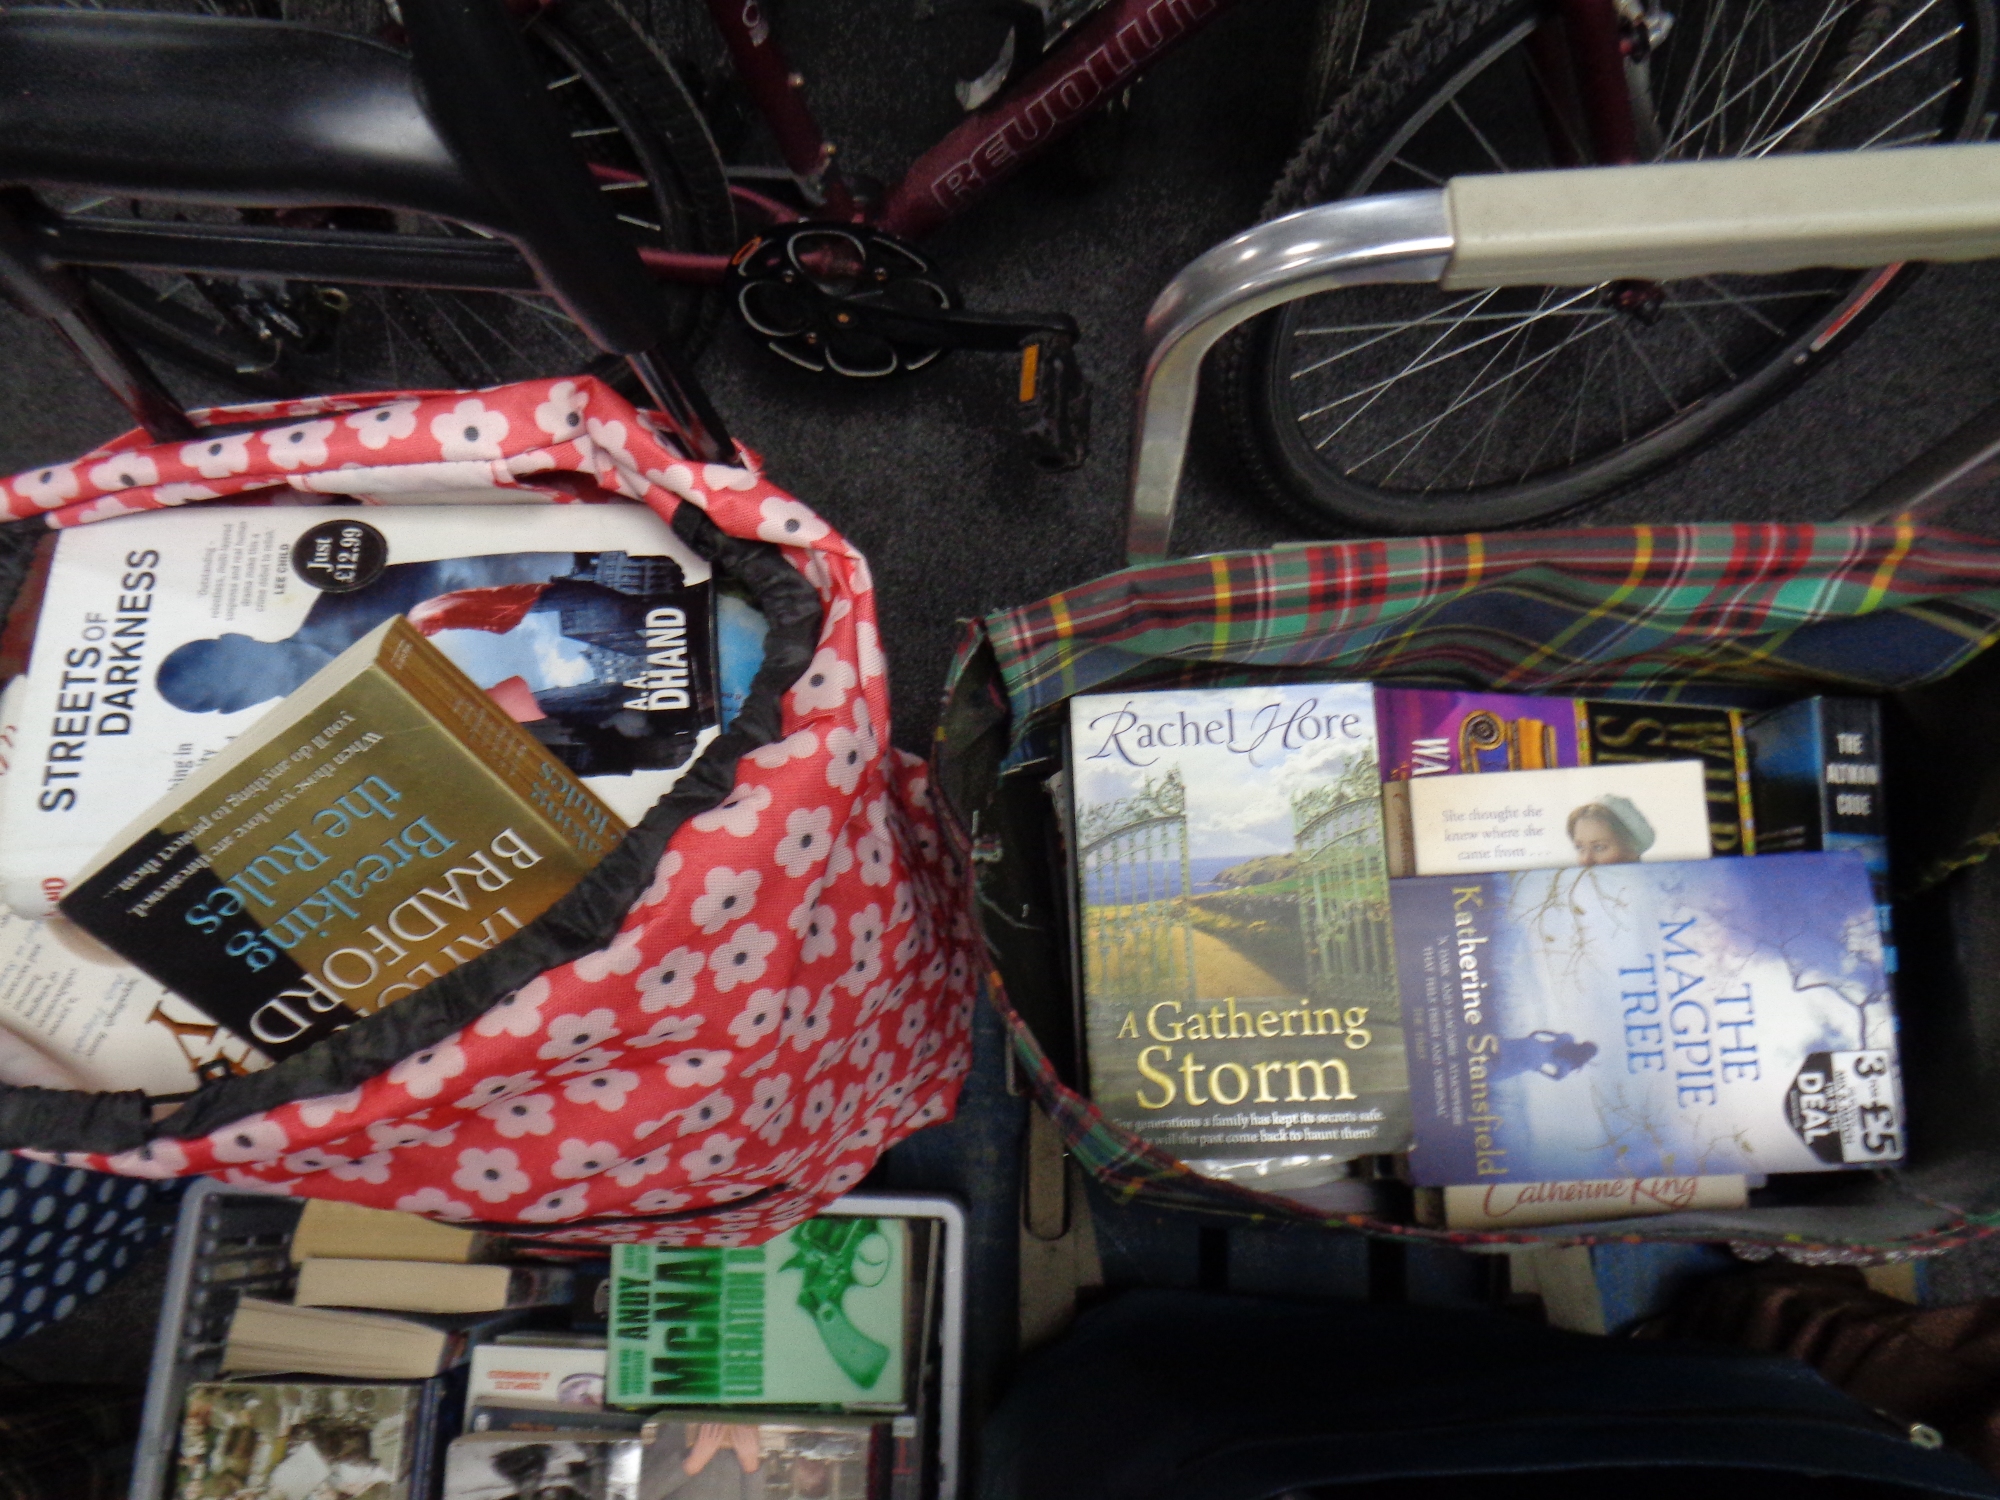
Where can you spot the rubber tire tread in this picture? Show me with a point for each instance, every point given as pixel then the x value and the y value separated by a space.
pixel 1392 81
pixel 648 80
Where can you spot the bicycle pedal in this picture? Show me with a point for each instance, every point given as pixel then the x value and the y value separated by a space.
pixel 1053 402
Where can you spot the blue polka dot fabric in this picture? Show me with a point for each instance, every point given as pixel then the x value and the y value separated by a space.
pixel 66 1234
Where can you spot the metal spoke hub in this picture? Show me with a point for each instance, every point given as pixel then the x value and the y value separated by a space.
pixel 805 289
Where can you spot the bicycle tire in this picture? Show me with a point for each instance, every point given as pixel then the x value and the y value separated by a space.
pixel 1435 58
pixel 408 337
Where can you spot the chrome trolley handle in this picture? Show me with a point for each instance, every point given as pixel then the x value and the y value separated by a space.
pixel 1563 228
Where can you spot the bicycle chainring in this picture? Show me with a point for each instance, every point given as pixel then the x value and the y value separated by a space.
pixel 794 285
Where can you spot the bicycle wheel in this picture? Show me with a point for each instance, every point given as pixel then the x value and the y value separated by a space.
pixel 632 121
pixel 1410 409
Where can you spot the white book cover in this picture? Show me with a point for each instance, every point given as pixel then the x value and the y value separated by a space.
pixel 1545 820
pixel 163 636
pixel 73 1014
pixel 536 1372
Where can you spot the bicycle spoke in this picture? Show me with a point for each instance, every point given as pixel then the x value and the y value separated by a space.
pixel 1420 363
pixel 1647 365
pixel 1389 330
pixel 1831 100
pixel 1707 343
pixel 1816 34
pixel 1536 363
pixel 1479 136
pixel 1709 26
pixel 1517 339
pixel 1796 72
pixel 1726 300
pixel 1416 171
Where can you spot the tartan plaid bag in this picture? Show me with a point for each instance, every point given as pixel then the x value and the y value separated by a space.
pixel 729 1019
pixel 1733 614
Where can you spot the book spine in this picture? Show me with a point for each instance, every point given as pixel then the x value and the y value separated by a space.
pixel 1851 769
pixel 1851 811
pixel 1524 1205
pixel 499 1416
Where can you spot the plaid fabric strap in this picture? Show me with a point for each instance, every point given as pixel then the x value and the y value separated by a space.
pixel 1611 610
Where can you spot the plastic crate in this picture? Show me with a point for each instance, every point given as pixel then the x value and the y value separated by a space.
pixel 228 1243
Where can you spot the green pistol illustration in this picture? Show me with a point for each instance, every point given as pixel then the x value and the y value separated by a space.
pixel 833 1255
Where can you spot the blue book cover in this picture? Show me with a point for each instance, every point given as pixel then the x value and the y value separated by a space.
pixel 1709 1017
pixel 1239 978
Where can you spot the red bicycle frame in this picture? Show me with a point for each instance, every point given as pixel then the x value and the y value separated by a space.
pixel 1092 63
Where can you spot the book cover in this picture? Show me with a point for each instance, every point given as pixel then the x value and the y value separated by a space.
pixel 257 1441
pixel 429 1286
pixel 815 1317
pixel 100 1023
pixel 106 1024
pixel 538 1372
pixel 1435 732
pixel 383 826
pixel 1238 974
pixel 1816 769
pixel 1707 1018
pixel 1585 815
pixel 1621 733
pixel 163 637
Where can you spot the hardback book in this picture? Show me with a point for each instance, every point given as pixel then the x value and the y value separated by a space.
pixel 815 1317
pixel 276 1441
pixel 1238 972
pixel 267 1337
pixel 558 1374
pixel 1707 1018
pixel 1624 733
pixel 1816 770
pixel 430 1287
pixel 330 1228
pixel 1429 732
pixel 384 825
pixel 1583 815
pixel 1525 1205
pixel 164 637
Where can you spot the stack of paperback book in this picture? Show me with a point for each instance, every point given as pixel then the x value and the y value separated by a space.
pixel 1544 959
pixel 269 768
pixel 414 1362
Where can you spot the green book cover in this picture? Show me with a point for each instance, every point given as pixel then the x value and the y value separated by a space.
pixel 815 1317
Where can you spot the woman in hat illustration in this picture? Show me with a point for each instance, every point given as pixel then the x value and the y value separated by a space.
pixel 1609 831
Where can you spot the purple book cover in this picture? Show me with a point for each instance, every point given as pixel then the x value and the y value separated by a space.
pixel 1433 732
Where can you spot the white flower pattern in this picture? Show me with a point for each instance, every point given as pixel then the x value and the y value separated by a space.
pixel 477 1125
